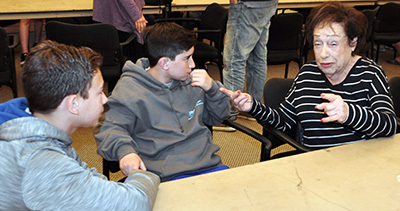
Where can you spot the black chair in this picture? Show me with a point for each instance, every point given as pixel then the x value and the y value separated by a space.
pixel 275 91
pixel 394 84
pixel 365 49
pixel 7 63
pixel 210 29
pixel 285 42
pixel 113 166
pixel 386 27
pixel 100 37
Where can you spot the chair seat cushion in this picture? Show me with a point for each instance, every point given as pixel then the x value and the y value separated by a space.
pixel 204 52
pixel 5 77
pixel 282 57
pixel 388 38
pixel 111 71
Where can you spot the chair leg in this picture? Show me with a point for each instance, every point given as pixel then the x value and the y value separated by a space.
pixel 14 76
pixel 287 69
pixel 221 75
pixel 265 153
pixel 14 89
pixel 377 53
pixel 263 156
pixel 304 53
pixel 106 168
pixel 220 67
pixel 372 50
pixel 300 62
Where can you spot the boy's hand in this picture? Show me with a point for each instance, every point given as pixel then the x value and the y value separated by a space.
pixel 131 162
pixel 241 101
pixel 200 78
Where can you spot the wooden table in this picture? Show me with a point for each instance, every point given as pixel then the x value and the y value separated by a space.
pixel 20 9
pixel 360 176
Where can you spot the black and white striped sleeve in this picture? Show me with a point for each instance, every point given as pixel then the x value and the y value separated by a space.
pixel 379 120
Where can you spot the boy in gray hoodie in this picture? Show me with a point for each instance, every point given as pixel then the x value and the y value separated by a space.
pixel 159 109
pixel 40 170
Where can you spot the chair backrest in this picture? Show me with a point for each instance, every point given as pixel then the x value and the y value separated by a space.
pixel 394 84
pixel 386 27
pixel 285 42
pixel 286 31
pixel 5 59
pixel 7 66
pixel 214 17
pixel 275 91
pixel 211 29
pixel 370 14
pixel 388 18
pixel 100 37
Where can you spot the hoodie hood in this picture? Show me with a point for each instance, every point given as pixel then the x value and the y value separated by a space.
pixel 13 109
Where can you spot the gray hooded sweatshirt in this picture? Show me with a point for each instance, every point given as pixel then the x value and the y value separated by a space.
pixel 164 125
pixel 40 171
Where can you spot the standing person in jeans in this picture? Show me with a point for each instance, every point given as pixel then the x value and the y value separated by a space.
pixel 246 43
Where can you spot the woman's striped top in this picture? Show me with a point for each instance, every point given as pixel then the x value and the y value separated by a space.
pixel 365 90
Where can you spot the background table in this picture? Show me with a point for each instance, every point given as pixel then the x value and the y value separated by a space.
pixel 359 176
pixel 23 9
pixel 20 9
pixel 198 5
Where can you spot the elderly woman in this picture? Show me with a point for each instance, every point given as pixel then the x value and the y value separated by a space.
pixel 338 99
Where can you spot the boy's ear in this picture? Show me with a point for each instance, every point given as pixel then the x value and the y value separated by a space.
pixel 164 63
pixel 72 104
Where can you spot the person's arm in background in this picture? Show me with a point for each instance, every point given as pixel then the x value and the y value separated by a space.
pixel 135 13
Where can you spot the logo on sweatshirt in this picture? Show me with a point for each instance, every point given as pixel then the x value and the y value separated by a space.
pixel 191 112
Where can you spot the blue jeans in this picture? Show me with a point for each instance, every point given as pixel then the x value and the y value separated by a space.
pixel 219 168
pixel 246 43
